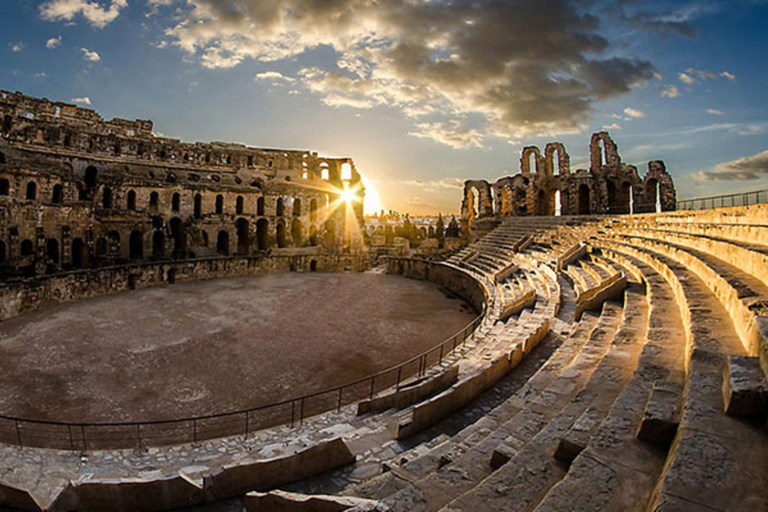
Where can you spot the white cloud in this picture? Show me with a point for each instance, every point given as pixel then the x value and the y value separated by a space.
pixel 53 42
pixel 436 185
pixel 729 76
pixel 274 76
pixel 85 100
pixel 686 79
pixel 714 112
pixel 451 134
pixel 634 113
pixel 90 56
pixel 17 47
pixel 614 126
pixel 41 74
pixel 670 91
pixel 99 15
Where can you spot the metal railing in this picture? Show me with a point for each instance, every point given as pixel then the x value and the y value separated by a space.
pixel 94 436
pixel 741 199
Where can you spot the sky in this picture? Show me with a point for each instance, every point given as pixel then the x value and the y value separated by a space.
pixel 422 94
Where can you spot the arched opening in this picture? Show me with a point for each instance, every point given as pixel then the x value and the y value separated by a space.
pixel 5 187
pixel 52 250
pixel 313 210
pixel 219 204
pixel 198 206
pixel 262 234
pixel 58 194
pixel 313 266
pixel 78 253
pixel 297 207
pixel 312 235
pixel 176 202
pixel 542 203
pixel 177 233
pixel 613 199
pixel 154 200
pixel 2 158
pixel 7 124
pixel 170 276
pixel 91 173
pixel 532 162
pixel 346 171
pixel 325 174
pixel 474 197
pixel 625 197
pixel 27 248
pixel 260 207
pixel 206 239
pixel 222 243
pixel 584 200
pixel 558 204
pixel 31 190
pixel 136 245
pixel 239 205
pixel 330 232
pixel 603 151
pixel 158 244
pixel 243 241
pixel 106 198
pixel 130 201
pixel 3 253
pixel 282 240
pixel 555 161
pixel 297 231
pixel 280 210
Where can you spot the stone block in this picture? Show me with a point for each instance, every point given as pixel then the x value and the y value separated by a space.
pixel 282 501
pixel 744 389
pixel 662 414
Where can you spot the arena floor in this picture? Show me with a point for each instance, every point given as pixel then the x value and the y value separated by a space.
pixel 215 346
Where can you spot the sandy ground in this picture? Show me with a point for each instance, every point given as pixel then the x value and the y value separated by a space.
pixel 216 346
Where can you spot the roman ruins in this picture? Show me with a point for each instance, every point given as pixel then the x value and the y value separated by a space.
pixel 610 349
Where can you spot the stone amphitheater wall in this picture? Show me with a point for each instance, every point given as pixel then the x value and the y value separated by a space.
pixel 24 296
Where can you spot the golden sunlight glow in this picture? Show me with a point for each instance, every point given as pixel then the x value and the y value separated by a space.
pixel 347 195
pixel 372 202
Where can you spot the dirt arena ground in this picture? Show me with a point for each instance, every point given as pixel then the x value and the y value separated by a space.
pixel 216 346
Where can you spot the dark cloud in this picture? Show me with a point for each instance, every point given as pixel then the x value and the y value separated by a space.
pixel 526 67
pixel 744 169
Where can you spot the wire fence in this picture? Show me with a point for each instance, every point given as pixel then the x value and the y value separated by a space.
pixel 741 199
pixel 96 436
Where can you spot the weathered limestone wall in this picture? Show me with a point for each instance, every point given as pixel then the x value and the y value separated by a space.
pixel 23 296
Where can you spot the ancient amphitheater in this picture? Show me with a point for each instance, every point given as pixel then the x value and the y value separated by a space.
pixel 615 358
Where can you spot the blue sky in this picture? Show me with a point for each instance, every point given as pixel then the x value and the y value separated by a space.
pixel 422 94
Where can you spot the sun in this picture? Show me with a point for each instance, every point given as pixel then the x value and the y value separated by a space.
pixel 372 202
pixel 348 195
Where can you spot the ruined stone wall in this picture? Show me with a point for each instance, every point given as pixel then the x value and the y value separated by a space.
pixel 546 186
pixel 80 192
pixel 24 295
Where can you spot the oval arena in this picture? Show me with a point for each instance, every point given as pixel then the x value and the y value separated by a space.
pixel 587 342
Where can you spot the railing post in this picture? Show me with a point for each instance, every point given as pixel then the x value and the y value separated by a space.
pixel 440 359
pixel 138 433
pixel 82 433
pixel 338 406
pixel 301 415
pixel 399 374
pixel 18 432
pixel 246 426
pixel 71 440
pixel 194 431
pixel 373 380
pixel 293 413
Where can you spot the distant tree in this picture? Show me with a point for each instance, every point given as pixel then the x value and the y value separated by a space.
pixel 453 229
pixel 440 231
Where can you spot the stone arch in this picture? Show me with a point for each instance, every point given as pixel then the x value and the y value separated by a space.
pixel 282 238
pixel 608 154
pixel 262 234
pixel 198 206
pixel 313 210
pixel 26 248
pixel 136 245
pixel 260 206
pixel 2 158
pixel 5 187
pixel 584 201
pixel 297 232
pixel 52 250
pixel 154 201
pixel 330 232
pixel 667 197
pixel 280 208
pixel 179 241
pixel 239 205
pixel 312 235
pixel 31 190
pixel 130 202
pixel 57 197
pixel 175 202
pixel 219 204
pixel 563 159
pixel 222 242
pixel 478 200
pixel 243 236
pixel 106 198
pixel 525 160
pixel 78 253
pixel 297 207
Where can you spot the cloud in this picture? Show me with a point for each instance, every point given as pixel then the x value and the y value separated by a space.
pixel 41 74
pixel 614 126
pixel 451 134
pixel 693 75
pixel 274 76
pixel 85 100
pixel 436 185
pixel 666 22
pixel 670 91
pixel 90 56
pixel 743 169
pixel 523 69
pixel 53 42
pixel 634 113
pixel 714 112
pixel 686 79
pixel 729 76
pixel 17 47
pixel 97 14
